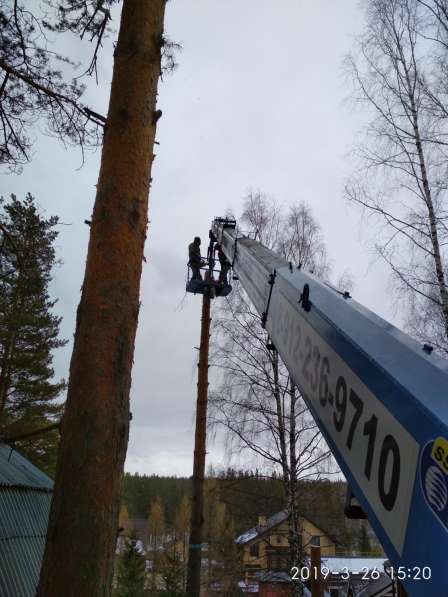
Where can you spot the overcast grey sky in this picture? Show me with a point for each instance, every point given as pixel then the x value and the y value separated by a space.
pixel 257 102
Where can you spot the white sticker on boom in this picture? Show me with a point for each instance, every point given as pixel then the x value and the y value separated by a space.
pixel 380 453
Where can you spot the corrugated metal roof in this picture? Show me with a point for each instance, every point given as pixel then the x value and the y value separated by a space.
pixel 18 471
pixel 23 527
pixel 25 498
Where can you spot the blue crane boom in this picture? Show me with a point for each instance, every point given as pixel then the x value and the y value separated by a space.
pixel 379 398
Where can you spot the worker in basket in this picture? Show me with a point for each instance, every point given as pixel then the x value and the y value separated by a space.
pixel 225 265
pixel 195 260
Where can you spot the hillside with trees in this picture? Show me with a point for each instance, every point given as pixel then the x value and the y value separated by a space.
pixel 247 494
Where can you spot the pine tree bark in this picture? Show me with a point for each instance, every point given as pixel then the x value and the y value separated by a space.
pixel 81 537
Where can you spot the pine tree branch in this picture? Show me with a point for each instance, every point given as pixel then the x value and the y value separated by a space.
pixel 59 97
pixel 15 438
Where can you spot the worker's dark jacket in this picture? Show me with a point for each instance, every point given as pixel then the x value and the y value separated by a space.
pixel 222 258
pixel 194 255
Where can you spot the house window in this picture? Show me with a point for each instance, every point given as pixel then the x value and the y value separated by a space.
pixel 279 538
pixel 315 540
pixel 254 550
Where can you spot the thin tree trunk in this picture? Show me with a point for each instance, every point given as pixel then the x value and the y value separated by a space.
pixel 280 418
pixel 294 538
pixel 4 375
pixel 81 539
pixel 289 472
pixel 9 347
pixel 438 265
pixel 5 372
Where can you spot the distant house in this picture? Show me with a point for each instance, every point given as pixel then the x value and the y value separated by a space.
pixel 25 497
pixel 265 547
pixel 141 527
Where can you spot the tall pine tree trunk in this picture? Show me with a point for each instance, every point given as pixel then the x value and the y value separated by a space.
pixel 79 553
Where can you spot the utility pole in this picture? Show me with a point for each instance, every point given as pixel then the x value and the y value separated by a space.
pixel 317 589
pixel 197 518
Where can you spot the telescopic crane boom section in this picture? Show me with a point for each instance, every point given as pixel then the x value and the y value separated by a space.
pixel 379 398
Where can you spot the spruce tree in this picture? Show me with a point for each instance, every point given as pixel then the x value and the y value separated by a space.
pixel 172 572
pixel 29 331
pixel 131 570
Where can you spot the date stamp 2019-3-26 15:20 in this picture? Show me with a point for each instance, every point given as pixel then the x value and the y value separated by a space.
pixel 307 573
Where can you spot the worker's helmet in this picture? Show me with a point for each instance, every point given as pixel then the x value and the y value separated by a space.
pixel 197 240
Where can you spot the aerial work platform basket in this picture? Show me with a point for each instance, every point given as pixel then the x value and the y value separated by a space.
pixel 215 281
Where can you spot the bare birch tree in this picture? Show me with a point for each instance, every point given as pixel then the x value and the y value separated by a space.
pixel 257 403
pixel 401 177
pixel 261 218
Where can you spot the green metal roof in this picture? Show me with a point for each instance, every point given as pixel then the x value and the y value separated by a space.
pixel 18 471
pixel 25 498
